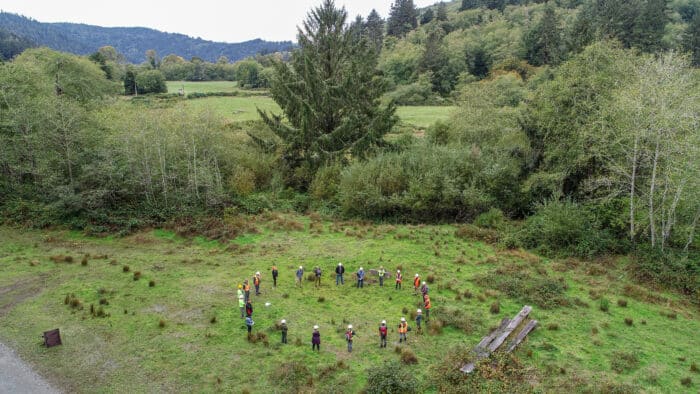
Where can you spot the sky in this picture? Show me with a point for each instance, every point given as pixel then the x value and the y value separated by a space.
pixel 226 21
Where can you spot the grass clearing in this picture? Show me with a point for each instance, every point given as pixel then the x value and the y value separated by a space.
pixel 424 116
pixel 185 333
pixel 202 87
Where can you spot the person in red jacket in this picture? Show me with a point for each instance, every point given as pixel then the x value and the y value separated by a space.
pixel 248 309
pixel 382 334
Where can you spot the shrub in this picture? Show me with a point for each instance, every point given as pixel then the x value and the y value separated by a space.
pixel 293 376
pixel 495 308
pixel 408 356
pixel 669 268
pixel 604 305
pixel 493 219
pixel 623 362
pixel 391 377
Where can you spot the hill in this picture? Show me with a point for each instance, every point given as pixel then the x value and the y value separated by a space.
pixel 132 42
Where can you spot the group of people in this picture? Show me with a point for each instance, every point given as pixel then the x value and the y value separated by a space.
pixel 246 306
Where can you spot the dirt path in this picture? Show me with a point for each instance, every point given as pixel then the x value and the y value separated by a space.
pixel 18 377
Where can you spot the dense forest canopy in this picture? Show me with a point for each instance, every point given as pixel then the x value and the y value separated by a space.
pixel 579 121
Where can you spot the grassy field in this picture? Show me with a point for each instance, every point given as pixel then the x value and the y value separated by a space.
pixel 236 109
pixel 202 345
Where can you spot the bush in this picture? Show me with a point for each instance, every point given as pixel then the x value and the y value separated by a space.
pixel 623 362
pixel 669 269
pixel 391 377
pixel 151 81
pixel 493 219
pixel 564 228
pixel 293 376
pixel 604 305
pixel 408 356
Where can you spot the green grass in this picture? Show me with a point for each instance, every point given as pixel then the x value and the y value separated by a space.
pixel 235 109
pixel 203 87
pixel 423 116
pixel 195 281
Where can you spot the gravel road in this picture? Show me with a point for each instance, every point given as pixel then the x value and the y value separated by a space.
pixel 17 377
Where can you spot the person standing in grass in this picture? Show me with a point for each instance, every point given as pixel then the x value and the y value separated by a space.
pixel 248 309
pixel 381 273
pixel 317 273
pixel 249 323
pixel 427 306
pixel 349 334
pixel 275 273
pixel 339 271
pixel 246 290
pixel 283 328
pixel 419 318
pixel 241 301
pixel 399 279
pixel 300 276
pixel 382 334
pixel 360 278
pixel 416 284
pixel 256 282
pixel 316 339
pixel 424 289
pixel 403 329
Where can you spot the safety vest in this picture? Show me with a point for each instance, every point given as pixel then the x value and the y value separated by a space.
pixel 416 282
pixel 382 273
pixel 427 302
pixel 241 303
pixel 256 281
pixel 246 287
pixel 399 277
pixel 403 327
pixel 240 294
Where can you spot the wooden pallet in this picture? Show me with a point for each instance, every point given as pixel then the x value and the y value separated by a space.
pixel 494 340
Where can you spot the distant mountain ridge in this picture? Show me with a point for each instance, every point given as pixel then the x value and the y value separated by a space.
pixel 132 42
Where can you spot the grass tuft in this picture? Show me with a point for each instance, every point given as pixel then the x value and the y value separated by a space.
pixel 604 304
pixel 694 368
pixel 151 283
pixel 125 268
pixel 622 303
pixel 137 275
pixel 629 321
pixel 408 357
pixel 212 320
pixel 103 301
pixel 687 381
pixel 552 326
pixel 495 308
pixel 430 279
pixel 321 299
pixel 621 362
pixel 161 323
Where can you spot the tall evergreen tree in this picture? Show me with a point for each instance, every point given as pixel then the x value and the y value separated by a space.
pixel 403 18
pixel 470 4
pixel 441 12
pixel 375 30
pixel 427 16
pixel 543 42
pixel 435 61
pixel 330 94
pixel 649 26
pixel 691 42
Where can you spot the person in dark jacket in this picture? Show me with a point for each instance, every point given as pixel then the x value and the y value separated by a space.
pixel 283 328
pixel 275 273
pixel 316 339
pixel 349 334
pixel 249 323
pixel 339 271
pixel 248 309
pixel 317 273
pixel 300 276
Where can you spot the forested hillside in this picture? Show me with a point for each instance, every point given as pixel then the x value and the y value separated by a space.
pixel 132 42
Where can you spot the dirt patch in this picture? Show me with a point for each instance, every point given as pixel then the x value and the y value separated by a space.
pixel 16 293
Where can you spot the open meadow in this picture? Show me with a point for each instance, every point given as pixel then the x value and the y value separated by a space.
pixel 157 312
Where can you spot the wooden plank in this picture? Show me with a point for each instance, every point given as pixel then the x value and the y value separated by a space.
pixel 521 335
pixel 489 338
pixel 509 329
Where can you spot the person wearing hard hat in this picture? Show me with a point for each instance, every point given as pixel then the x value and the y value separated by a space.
pixel 382 334
pixel 403 329
pixel 249 324
pixel 416 283
pixel 349 334
pixel 424 289
pixel 419 319
pixel 300 276
pixel 248 309
pixel 427 306
pixel 256 282
pixel 241 301
pixel 399 279
pixel 360 278
pixel 316 339
pixel 382 274
pixel 283 329
pixel 339 271
pixel 317 276
pixel 246 290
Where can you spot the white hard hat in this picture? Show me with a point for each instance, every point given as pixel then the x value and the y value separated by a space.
pixel 257 273
pixel 360 268
pixel 315 327
pixel 403 319
pixel 416 275
pixel 283 321
pixel 398 270
pixel 423 282
pixel 340 263
pixel 419 311
pixel 383 321
pixel 349 326
pixel 300 267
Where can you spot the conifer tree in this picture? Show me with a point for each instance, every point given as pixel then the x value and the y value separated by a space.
pixel 427 17
pixel 649 26
pixel 329 93
pixel 441 12
pixel 692 40
pixel 403 18
pixel 543 42
pixel 375 30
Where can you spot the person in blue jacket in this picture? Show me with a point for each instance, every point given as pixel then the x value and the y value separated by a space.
pixel 360 278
